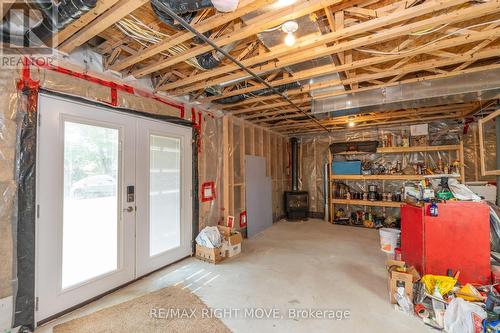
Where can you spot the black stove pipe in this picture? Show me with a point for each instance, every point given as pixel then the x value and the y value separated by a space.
pixel 294 142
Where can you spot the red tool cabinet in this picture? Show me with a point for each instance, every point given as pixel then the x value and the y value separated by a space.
pixel 457 239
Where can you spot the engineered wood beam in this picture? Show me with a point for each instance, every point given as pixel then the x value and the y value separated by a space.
pixel 254 26
pixel 245 7
pixel 415 67
pixel 314 47
pixel 323 70
pixel 420 79
pixel 308 47
pixel 386 115
pixel 84 20
pixel 310 129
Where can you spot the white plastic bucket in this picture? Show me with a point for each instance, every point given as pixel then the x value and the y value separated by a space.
pixel 389 239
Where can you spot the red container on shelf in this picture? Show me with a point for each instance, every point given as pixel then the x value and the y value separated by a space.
pixel 457 239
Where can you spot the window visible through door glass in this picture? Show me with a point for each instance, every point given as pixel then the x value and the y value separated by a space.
pixel 164 193
pixel 90 221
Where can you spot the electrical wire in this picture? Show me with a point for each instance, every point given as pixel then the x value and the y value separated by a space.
pixel 188 27
pixel 136 29
pixel 429 31
pixel 429 43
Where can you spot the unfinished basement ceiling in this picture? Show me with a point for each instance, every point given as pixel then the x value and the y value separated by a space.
pixel 484 85
pixel 342 49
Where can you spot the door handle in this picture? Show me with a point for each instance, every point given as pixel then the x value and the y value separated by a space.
pixel 129 209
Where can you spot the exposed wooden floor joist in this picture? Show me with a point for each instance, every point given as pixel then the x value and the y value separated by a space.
pixel 367 44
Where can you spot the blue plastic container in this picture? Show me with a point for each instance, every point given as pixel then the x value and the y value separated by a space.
pixel 346 168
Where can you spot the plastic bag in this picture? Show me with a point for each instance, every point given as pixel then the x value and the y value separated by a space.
pixel 438 307
pixel 403 301
pixel 469 289
pixel 209 237
pixel 444 283
pixel 463 317
pixel 494 227
pixel 462 192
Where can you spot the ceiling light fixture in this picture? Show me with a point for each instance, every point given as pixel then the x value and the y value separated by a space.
pixel 289 27
pixel 289 39
pixel 351 122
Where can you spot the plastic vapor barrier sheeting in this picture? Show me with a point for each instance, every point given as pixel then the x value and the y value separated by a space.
pixel 10 121
pixel 18 169
pixel 315 150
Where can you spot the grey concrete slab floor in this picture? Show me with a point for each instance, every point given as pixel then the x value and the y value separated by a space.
pixel 282 274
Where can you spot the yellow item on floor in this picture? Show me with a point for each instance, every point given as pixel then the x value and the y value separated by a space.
pixel 467 290
pixel 444 283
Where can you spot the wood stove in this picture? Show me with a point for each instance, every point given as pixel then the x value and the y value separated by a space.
pixel 296 202
pixel 297 205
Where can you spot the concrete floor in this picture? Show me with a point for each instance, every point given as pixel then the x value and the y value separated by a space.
pixel 289 266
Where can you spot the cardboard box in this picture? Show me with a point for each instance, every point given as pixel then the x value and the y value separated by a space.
pixel 399 279
pixel 229 250
pixel 233 250
pixel 212 255
pixel 233 237
pixel 401 276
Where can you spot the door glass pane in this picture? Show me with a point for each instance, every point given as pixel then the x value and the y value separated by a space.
pixel 164 193
pixel 90 225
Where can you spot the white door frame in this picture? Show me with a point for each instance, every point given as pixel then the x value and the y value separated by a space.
pixel 129 125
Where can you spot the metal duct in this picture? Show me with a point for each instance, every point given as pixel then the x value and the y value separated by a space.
pixel 261 92
pixel 212 59
pixel 186 9
pixel 295 163
pixel 54 18
pixel 482 85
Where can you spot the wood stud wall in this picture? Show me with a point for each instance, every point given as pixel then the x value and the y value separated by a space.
pixel 242 138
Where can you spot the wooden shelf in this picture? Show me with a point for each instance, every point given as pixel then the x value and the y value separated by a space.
pixel 354 226
pixel 416 149
pixel 458 149
pixel 389 177
pixel 376 177
pixel 393 204
pixel 401 150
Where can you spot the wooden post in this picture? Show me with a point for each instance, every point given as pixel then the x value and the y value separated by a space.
pixel 225 166
pixel 330 201
pixel 243 167
pixel 462 162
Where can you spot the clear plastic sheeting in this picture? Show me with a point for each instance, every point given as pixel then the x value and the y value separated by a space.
pixel 494 228
pixel 313 154
pixel 471 153
pixel 17 167
pixel 471 86
pixel 210 169
pixel 9 137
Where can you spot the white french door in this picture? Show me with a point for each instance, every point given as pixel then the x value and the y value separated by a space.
pixel 113 200
pixel 163 195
